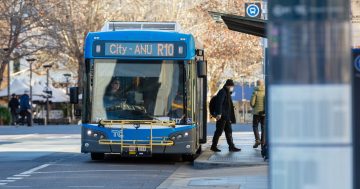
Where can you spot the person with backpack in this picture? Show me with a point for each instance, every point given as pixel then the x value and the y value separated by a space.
pixel 25 109
pixel 222 108
pixel 257 102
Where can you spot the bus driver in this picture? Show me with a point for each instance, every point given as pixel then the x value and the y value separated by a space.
pixel 113 94
pixel 120 103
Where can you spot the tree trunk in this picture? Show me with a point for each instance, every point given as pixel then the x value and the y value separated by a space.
pixel 81 70
pixel 4 63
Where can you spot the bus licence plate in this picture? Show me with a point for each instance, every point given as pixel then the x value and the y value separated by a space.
pixel 142 149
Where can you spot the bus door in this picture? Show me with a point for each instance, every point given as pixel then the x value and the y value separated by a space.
pixel 202 100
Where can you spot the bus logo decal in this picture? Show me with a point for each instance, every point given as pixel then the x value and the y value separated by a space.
pixel 117 133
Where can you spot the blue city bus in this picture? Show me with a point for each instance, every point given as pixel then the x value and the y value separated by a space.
pixel 144 91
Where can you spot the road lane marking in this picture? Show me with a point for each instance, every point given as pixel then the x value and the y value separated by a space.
pixel 34 169
pixel 24 136
pixel 18 186
pixel 21 176
pixel 86 171
pixel 86 186
pixel 14 178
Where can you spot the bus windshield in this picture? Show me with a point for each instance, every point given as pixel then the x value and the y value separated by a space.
pixel 137 90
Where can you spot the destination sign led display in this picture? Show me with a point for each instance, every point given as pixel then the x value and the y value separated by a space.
pixel 140 49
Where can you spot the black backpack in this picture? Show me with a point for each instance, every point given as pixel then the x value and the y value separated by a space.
pixel 212 106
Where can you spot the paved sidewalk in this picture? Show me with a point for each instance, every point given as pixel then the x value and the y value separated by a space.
pixel 248 156
pixel 186 177
pixel 230 170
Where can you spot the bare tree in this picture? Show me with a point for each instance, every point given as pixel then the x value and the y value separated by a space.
pixel 66 23
pixel 225 49
pixel 19 30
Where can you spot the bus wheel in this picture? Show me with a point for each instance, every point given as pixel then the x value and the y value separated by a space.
pixel 189 157
pixel 199 150
pixel 97 156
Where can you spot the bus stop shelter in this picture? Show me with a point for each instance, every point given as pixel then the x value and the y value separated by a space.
pixel 252 26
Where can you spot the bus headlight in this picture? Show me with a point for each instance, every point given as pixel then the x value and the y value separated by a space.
pixel 95 134
pixel 179 136
pixel 186 134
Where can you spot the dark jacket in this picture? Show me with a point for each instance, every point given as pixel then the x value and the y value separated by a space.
pixel 14 104
pixel 24 102
pixel 224 105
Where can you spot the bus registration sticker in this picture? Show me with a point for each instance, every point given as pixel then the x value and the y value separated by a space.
pixel 132 150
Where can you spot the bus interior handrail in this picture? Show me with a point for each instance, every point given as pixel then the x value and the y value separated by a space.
pixel 144 122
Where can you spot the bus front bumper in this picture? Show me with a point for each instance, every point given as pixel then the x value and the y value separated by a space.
pixel 92 146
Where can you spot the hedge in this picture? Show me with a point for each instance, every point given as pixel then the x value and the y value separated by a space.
pixel 5 116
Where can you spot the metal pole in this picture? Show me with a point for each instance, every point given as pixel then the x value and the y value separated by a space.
pixel 242 98
pixel 47 93
pixel 67 105
pixel 47 96
pixel 31 60
pixel 8 77
pixel 31 97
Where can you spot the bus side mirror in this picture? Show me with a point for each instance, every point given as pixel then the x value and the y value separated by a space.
pixel 74 95
pixel 201 68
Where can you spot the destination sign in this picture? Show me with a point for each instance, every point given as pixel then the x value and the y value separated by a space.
pixel 142 49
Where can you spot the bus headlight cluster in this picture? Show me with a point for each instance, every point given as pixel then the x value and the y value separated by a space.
pixel 179 136
pixel 94 134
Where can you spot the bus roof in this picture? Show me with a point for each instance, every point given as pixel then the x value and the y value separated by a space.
pixel 157 26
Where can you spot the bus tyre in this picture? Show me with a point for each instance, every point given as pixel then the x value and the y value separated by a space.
pixel 188 157
pixel 97 156
pixel 199 150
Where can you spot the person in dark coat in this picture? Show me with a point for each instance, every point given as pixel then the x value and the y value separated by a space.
pixel 25 109
pixel 14 109
pixel 224 111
